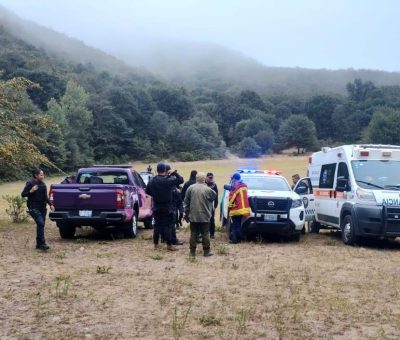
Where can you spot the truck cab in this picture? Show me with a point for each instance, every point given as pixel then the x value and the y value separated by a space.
pixel 275 208
pixel 356 189
pixel 103 196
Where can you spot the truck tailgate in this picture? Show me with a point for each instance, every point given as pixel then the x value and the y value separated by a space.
pixel 85 196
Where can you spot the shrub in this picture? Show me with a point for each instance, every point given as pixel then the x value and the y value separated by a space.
pixel 16 208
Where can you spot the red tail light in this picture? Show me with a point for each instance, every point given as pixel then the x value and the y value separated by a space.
pixel 309 160
pixel 120 200
pixel 51 196
pixel 364 153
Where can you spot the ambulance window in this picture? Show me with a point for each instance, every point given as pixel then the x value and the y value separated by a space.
pixel 327 176
pixel 342 170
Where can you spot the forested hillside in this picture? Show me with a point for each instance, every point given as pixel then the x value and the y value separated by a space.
pixel 62 114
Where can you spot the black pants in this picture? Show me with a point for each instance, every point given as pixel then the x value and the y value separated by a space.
pixel 39 216
pixel 236 229
pixel 212 224
pixel 163 226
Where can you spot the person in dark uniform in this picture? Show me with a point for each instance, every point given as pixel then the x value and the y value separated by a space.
pixel 36 192
pixel 192 180
pixel 178 209
pixel 212 185
pixel 160 188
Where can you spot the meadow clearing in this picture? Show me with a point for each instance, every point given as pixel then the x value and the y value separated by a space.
pixel 101 286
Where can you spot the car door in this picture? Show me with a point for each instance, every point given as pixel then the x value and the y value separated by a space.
pixel 145 201
pixel 304 188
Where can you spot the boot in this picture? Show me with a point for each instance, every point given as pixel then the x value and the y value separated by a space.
pixel 171 247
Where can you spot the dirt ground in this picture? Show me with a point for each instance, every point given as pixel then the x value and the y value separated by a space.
pixel 99 286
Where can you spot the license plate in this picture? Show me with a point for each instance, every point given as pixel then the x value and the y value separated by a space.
pixel 85 213
pixel 270 217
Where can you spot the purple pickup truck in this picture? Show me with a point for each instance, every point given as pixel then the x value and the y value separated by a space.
pixel 103 196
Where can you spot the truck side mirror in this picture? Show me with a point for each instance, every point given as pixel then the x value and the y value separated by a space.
pixel 342 184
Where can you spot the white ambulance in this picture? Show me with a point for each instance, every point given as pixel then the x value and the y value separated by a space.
pixel 355 189
pixel 275 208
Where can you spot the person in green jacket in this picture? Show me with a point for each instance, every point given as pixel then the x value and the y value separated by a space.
pixel 199 206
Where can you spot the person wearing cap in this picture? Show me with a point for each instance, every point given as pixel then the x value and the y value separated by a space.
pixel 178 208
pixel 160 188
pixel 238 206
pixel 198 206
pixel 212 185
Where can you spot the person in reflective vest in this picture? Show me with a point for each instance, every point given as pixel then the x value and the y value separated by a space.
pixel 238 206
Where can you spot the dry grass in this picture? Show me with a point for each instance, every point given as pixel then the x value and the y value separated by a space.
pixel 317 288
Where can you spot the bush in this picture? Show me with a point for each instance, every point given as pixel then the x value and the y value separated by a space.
pixel 249 148
pixel 16 208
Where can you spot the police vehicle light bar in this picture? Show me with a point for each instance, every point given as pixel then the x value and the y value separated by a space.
pixel 272 172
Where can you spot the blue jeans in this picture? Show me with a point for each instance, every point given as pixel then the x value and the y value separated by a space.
pixel 236 229
pixel 39 216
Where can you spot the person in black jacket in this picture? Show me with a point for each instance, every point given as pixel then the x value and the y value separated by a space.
pixel 192 180
pixel 212 185
pixel 36 192
pixel 160 188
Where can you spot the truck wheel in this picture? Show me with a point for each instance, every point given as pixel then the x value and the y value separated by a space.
pixel 149 223
pixel 348 233
pixel 67 231
pixel 130 228
pixel 313 227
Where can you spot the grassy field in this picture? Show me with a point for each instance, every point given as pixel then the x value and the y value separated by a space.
pixel 100 286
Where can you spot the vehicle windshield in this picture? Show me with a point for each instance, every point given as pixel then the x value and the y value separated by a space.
pixel 266 183
pixel 377 174
pixel 108 177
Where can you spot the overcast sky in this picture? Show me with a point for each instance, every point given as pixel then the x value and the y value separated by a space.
pixel 307 33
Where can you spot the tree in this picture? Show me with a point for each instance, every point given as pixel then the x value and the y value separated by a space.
pixel 76 121
pixel 298 131
pixel 19 145
pixel 359 91
pixel 320 109
pixel 384 127
pixel 249 148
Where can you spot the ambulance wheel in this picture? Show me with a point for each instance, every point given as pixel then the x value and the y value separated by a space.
pixel 348 233
pixel 313 227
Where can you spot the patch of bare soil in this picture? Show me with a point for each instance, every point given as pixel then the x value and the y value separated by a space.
pixel 97 287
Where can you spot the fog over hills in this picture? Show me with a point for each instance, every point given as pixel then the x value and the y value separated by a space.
pixel 191 64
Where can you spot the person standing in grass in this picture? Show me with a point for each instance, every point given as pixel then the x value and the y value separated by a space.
pixel 198 207
pixel 36 192
pixel 212 185
pixel 238 207
pixel 160 189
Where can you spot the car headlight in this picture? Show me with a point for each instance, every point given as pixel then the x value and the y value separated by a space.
pixel 365 195
pixel 297 203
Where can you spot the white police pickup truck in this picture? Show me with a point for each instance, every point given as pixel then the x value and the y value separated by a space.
pixel 275 208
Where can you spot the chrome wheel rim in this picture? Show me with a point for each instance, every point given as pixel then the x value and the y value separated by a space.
pixel 134 224
pixel 347 231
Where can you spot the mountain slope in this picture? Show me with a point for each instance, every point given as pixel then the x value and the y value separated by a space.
pixel 212 66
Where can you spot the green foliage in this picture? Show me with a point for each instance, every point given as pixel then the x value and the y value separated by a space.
pixel 384 127
pixel 16 208
pixel 19 144
pixel 248 148
pixel 298 131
